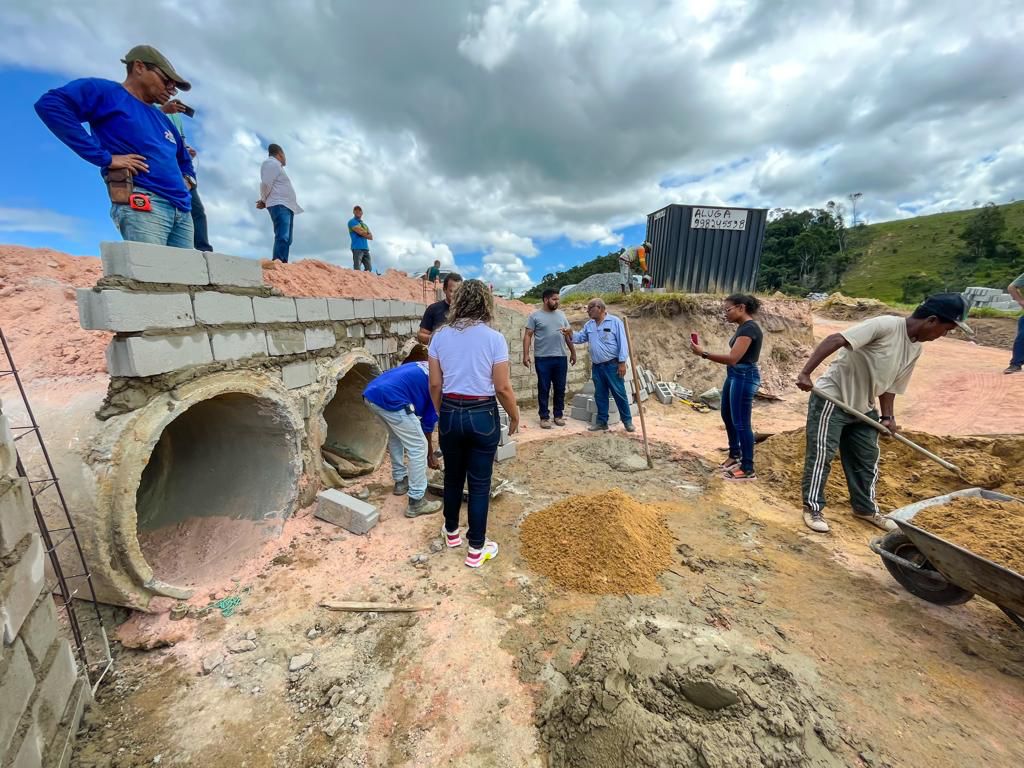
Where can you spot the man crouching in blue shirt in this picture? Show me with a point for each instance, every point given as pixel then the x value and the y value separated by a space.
pixel 129 135
pixel 401 398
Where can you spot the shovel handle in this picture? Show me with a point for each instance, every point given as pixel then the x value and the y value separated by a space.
pixel 896 435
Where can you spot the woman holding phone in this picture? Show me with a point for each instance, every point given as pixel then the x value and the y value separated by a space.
pixel 742 379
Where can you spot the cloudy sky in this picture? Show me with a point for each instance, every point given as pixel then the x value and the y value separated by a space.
pixel 510 138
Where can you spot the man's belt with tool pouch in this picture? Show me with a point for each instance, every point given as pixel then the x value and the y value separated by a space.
pixel 122 190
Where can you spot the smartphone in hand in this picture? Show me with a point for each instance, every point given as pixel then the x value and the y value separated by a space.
pixel 694 338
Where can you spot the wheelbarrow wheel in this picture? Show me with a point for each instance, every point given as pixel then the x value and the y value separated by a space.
pixel 932 590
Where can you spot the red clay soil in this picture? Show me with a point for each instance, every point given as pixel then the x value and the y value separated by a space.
pixel 39 314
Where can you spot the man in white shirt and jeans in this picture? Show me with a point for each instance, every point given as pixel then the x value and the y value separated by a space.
pixel 277 195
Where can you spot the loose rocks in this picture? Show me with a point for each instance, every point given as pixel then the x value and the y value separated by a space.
pixel 301 661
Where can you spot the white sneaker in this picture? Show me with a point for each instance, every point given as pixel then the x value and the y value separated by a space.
pixel 477 557
pixel 815 521
pixel 878 521
pixel 451 540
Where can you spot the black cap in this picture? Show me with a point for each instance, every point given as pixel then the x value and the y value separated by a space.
pixel 951 307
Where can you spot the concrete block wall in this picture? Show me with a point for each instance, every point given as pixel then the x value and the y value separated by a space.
pixel 995 298
pixel 172 310
pixel 42 693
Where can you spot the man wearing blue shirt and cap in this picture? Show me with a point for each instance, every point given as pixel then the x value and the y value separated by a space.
pixel 401 398
pixel 142 157
pixel 608 355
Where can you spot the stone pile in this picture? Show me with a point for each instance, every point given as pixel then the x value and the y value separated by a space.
pixel 994 298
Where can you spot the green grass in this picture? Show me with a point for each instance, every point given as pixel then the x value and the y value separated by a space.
pixel 886 253
pixel 989 312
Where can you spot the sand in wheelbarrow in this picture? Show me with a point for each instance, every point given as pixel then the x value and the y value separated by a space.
pixel 992 529
pixel 603 544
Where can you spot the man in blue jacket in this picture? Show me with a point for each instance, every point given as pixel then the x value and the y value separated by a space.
pixel 129 135
pixel 401 398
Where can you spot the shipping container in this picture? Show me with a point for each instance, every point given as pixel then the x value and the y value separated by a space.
pixel 706 249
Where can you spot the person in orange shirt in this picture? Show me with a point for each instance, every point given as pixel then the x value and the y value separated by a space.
pixel 637 255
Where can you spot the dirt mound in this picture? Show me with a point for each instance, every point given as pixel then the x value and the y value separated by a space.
pixel 685 697
pixel 661 338
pixel 620 455
pixel 905 476
pixel 840 307
pixel 605 543
pixel 39 314
pixel 992 529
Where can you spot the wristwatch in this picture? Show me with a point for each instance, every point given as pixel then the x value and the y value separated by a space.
pixel 705 355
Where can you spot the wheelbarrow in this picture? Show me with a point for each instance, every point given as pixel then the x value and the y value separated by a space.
pixel 944 573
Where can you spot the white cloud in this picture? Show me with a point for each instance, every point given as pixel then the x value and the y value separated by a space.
pixel 469 127
pixel 37 220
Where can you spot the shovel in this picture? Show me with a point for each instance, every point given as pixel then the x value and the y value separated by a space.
pixel 895 435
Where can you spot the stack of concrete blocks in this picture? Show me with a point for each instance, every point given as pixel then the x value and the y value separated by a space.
pixel 42 693
pixel 584 407
pixel 506 446
pixel 994 298
pixel 346 511
pixel 173 309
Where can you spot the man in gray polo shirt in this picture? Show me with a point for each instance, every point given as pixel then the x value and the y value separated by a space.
pixel 546 325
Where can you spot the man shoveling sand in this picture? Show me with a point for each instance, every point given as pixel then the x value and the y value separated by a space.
pixel 876 363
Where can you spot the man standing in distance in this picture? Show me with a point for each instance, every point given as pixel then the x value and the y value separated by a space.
pixel 876 359
pixel 277 195
pixel 546 325
pixel 436 313
pixel 174 109
pixel 1016 290
pixel 608 355
pixel 433 276
pixel 142 158
pixel 361 237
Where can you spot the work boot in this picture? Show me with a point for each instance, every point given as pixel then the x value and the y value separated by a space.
pixel 401 487
pixel 559 421
pixel 629 427
pixel 1012 369
pixel 545 424
pixel 421 506
pixel 599 427
pixel 477 557
pixel 877 520
pixel 815 521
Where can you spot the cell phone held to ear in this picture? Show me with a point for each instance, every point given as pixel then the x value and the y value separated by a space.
pixel 119 185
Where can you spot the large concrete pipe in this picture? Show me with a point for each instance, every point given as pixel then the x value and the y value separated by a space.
pixel 339 419
pixel 182 490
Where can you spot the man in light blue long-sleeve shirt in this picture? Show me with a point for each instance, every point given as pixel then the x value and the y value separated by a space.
pixel 608 354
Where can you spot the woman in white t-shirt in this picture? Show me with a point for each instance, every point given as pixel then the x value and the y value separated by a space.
pixel 469 374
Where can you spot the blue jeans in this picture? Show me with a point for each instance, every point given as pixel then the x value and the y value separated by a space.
pixel 361 258
pixel 1018 344
pixel 741 383
pixel 405 436
pixel 606 378
pixel 164 225
pixel 469 431
pixel 282 217
pixel 551 370
pixel 201 238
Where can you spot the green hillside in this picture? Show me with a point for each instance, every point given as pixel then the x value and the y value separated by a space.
pixel 885 254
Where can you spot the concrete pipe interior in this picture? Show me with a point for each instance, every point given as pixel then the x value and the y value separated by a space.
pixel 218 483
pixel 353 431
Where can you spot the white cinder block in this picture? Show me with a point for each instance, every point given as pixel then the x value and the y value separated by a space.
pixel 153 263
pixel 286 341
pixel 505 452
pixel 8 452
pixel 390 344
pixel 319 338
pixel 152 355
pixel 215 308
pixel 340 309
pixel 311 310
pixel 374 346
pixel 355 331
pixel 300 374
pixel 274 309
pixel 382 308
pixel 373 329
pixel 20 586
pixel 238 345
pixel 113 310
pixel 234 270
pixel 363 308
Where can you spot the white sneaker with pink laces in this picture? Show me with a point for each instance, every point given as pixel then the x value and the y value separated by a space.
pixel 452 540
pixel 477 557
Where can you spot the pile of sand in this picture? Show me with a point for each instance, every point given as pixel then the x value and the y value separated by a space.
pixel 992 529
pixel 905 476
pixel 840 307
pixel 604 544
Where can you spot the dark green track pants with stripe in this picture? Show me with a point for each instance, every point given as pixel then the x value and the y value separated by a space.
pixel 830 429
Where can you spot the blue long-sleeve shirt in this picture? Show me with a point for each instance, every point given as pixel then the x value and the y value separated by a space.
pixel 406 385
pixel 121 125
pixel 607 340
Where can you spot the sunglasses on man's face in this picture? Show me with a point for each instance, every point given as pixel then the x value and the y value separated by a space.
pixel 168 83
